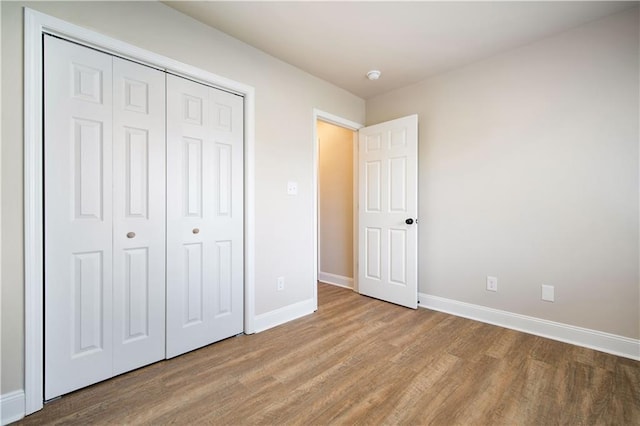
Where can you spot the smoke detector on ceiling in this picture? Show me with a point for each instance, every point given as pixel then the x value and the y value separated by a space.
pixel 373 75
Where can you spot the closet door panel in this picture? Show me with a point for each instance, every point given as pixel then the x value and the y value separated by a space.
pixel 227 210
pixel 78 217
pixel 204 216
pixel 188 294
pixel 139 215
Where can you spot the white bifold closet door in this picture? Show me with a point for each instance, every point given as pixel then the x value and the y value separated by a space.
pixel 138 215
pixel 104 155
pixel 204 215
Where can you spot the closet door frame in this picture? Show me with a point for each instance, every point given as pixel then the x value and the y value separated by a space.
pixel 35 25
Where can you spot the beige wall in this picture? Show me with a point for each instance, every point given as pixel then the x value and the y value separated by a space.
pixel 529 172
pixel 335 182
pixel 285 98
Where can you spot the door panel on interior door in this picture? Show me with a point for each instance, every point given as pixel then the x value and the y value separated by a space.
pixel 192 198
pixel 87 299
pixel 388 196
pixel 224 277
pixel 136 286
pixel 204 215
pixel 194 291
pixel 373 255
pixel 138 208
pixel 372 186
pixel 398 260
pixel 78 217
pixel 88 167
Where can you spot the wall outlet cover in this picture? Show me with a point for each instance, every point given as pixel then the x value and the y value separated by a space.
pixel 280 283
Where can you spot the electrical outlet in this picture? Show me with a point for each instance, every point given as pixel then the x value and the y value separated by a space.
pixel 548 293
pixel 280 283
pixel 292 188
pixel 492 283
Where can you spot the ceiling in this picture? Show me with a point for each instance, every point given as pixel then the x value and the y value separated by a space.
pixel 339 41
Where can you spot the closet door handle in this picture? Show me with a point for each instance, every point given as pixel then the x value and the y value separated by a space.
pixel 131 234
pixel 195 230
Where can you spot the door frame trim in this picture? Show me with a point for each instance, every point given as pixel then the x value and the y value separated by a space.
pixel 36 24
pixel 351 125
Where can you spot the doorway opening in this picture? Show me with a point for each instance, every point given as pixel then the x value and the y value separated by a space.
pixel 336 213
pixel 335 204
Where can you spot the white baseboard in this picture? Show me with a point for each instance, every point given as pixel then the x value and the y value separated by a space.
pixel 592 339
pixel 280 316
pixel 334 279
pixel 12 406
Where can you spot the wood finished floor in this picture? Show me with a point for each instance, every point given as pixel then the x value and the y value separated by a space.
pixel 363 361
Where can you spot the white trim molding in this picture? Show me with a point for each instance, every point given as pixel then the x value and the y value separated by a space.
pixel 12 407
pixel 35 25
pixel 285 314
pixel 334 119
pixel 337 280
pixel 592 339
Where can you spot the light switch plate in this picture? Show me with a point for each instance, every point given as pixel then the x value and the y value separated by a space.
pixel 492 283
pixel 548 293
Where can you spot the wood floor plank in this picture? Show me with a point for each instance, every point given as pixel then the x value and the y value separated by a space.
pixel 363 361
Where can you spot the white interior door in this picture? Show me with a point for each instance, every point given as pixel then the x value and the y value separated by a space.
pixel 78 293
pixel 204 215
pixel 387 211
pixel 138 215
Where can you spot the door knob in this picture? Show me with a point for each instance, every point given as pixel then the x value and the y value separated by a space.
pixel 195 230
pixel 131 234
pixel 409 221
